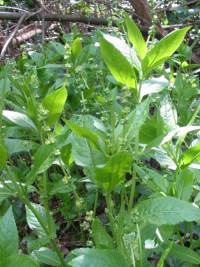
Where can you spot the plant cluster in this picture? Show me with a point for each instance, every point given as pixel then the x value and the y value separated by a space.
pixel 99 139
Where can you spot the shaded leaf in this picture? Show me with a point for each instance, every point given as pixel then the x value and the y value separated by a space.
pixel 101 238
pixel 165 210
pixel 184 184
pixel 46 256
pixel 185 254
pixel 8 234
pixel 113 172
pixel 33 222
pixel 98 258
pixel 19 260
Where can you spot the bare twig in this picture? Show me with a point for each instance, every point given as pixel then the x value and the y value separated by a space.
pixel 5 46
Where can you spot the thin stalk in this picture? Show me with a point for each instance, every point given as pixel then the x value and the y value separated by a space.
pixel 96 202
pixel 110 215
pixel 140 245
pixel 191 234
pixel 131 199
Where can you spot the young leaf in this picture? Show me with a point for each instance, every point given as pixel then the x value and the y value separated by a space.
pixel 163 49
pixel 121 60
pixel 76 48
pixel 8 234
pixel 184 184
pixel 101 238
pixel 46 256
pixel 113 172
pixel 98 258
pixel 165 210
pixel 152 86
pixel 136 38
pixel 33 222
pixel 19 260
pixel 54 103
pixel 19 119
pixel 190 155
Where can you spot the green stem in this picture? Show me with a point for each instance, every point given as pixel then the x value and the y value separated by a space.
pixel 140 245
pixel 96 202
pixel 131 199
pixel 110 215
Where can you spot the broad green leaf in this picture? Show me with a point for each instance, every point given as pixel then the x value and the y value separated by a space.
pixel 165 210
pixel 17 260
pixel 184 184
pixel 121 60
pixel 8 235
pixel 84 155
pixel 97 257
pixel 19 119
pixel 3 155
pixel 42 156
pixel 113 172
pixel 46 256
pixel 152 86
pixel 190 155
pixel 54 104
pixel 163 49
pixel 185 254
pixel 180 131
pixel 18 145
pixel 85 133
pixel 168 113
pixel 101 238
pixel 136 38
pixel 34 223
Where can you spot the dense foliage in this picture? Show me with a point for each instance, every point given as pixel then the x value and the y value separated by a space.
pixel 100 151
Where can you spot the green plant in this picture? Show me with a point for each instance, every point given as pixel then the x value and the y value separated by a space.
pixel 57 142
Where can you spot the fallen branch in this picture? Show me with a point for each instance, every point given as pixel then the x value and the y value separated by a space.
pixel 8 41
pixel 57 17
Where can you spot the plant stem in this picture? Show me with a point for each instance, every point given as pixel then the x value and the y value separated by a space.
pixel 110 214
pixel 131 199
pixel 96 202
